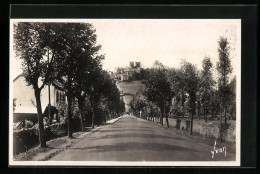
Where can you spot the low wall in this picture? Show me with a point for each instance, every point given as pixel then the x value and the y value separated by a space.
pixel 208 129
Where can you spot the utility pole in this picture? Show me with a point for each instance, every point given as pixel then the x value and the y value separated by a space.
pixel 49 105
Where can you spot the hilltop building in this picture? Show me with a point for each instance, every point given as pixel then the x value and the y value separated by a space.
pixel 127 73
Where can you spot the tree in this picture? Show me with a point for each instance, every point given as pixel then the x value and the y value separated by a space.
pixel 176 80
pixel 36 45
pixel 214 102
pixel 191 87
pixel 206 85
pixel 138 103
pixel 157 89
pixel 88 62
pixel 224 69
pixel 101 89
pixel 116 104
pixel 77 49
pixel 85 81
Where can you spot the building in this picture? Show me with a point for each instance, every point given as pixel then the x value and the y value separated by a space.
pixel 127 73
pixel 25 99
pixel 138 64
pixel 124 77
pixel 132 64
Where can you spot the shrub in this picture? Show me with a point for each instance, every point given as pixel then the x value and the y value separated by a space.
pixel 63 113
pixel 53 112
pixel 27 138
pixel 24 139
pixel 28 124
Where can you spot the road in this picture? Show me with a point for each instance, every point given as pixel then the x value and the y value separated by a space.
pixel 133 139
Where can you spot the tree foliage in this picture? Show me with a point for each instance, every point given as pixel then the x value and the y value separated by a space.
pixel 66 52
pixel 157 89
pixel 206 86
pixel 224 69
pixel 33 45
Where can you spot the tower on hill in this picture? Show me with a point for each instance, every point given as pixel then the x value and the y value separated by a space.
pixel 137 64
pixel 132 64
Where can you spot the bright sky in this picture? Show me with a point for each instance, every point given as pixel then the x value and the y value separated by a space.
pixel 166 40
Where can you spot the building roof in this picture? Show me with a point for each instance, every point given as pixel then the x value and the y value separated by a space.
pixel 54 83
pixel 57 84
pixel 17 77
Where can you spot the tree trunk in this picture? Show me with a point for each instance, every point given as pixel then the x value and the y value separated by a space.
pixel 232 113
pixel 161 117
pixel 191 124
pixel 69 114
pixel 192 105
pixel 166 115
pixel 225 114
pixel 42 139
pixel 81 104
pixel 93 115
pixel 167 121
pixel 220 132
pixel 206 114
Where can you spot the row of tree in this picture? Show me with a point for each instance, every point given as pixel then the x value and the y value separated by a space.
pixel 68 53
pixel 188 90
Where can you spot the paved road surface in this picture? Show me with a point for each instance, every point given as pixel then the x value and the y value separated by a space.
pixel 133 139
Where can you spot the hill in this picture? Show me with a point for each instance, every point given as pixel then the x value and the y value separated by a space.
pixel 129 89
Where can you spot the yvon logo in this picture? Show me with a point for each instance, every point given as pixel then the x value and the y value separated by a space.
pixel 218 150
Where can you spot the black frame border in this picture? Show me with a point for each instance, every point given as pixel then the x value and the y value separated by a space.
pixel 246 12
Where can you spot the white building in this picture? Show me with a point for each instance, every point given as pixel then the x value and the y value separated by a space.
pixel 25 98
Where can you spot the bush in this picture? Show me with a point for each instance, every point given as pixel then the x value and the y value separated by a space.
pixel 55 130
pixel 28 124
pixel 24 139
pixel 27 138
pixel 63 113
pixel 53 112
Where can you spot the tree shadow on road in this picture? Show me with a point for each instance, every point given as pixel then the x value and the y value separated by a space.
pixel 137 135
pixel 125 130
pixel 128 146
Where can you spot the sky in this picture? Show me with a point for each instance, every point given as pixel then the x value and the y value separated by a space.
pixel 166 40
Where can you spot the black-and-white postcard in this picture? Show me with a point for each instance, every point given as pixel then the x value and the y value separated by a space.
pixel 125 92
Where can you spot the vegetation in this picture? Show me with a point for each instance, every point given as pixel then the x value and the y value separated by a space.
pixel 34 47
pixel 68 53
pixel 157 89
pixel 188 91
pixel 224 69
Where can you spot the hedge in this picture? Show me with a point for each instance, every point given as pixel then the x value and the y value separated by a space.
pixel 25 139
